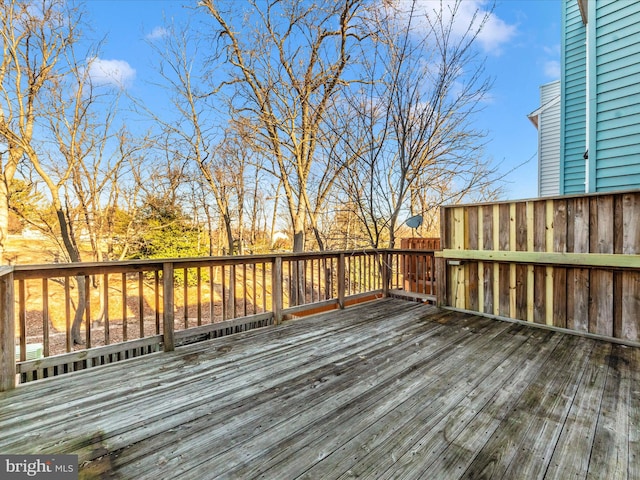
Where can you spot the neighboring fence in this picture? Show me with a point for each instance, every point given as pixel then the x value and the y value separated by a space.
pixel 419 270
pixel 568 262
pixel 139 307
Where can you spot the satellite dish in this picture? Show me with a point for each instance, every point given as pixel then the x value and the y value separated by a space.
pixel 414 222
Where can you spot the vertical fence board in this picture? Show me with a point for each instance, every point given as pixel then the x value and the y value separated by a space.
pixel 504 295
pixel 578 279
pixel 630 327
pixel 630 321
pixel 504 270
pixel 549 217
pixel 458 278
pixel 472 244
pixel 600 300
pixel 539 272
pixel 560 273
pixel 496 266
pixel 481 306
pixel 601 221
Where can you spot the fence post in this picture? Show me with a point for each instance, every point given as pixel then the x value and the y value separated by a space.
pixel 276 290
pixel 441 282
pixel 168 306
pixel 7 332
pixel 341 280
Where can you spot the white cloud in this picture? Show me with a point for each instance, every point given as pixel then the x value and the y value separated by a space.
pixel 495 32
pixel 111 72
pixel 157 33
pixel 552 69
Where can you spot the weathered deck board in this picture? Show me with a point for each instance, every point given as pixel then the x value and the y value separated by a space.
pixel 389 389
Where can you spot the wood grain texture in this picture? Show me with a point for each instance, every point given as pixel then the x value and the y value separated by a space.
pixel 389 389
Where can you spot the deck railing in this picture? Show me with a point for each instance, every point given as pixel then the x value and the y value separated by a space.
pixel 60 318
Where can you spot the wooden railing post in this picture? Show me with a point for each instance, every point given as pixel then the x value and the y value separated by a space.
pixel 386 273
pixel 341 280
pixel 276 290
pixel 441 282
pixel 168 307
pixel 7 332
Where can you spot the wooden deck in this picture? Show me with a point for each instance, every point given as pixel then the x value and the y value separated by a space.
pixel 388 389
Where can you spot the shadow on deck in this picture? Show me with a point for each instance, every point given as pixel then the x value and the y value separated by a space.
pixel 387 389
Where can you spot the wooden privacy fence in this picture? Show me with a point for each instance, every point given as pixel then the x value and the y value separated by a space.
pixel 138 307
pixel 568 262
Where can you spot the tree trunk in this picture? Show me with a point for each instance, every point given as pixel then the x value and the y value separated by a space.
pixel 229 232
pixel 296 287
pixel 74 256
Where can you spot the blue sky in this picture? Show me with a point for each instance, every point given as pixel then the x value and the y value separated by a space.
pixel 521 43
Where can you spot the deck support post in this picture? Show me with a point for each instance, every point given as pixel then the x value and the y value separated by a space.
pixel 168 305
pixel 7 332
pixel 341 280
pixel 276 290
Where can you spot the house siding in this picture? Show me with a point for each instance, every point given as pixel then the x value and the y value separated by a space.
pixel 615 79
pixel 549 141
pixel 573 101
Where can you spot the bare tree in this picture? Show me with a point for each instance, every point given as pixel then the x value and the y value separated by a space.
pixel 415 115
pixel 286 61
pixel 193 131
pixel 35 38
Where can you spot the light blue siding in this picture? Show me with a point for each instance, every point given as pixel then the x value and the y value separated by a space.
pixel 615 77
pixel 573 101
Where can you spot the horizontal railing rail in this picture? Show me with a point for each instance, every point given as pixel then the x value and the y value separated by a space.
pixel 61 318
